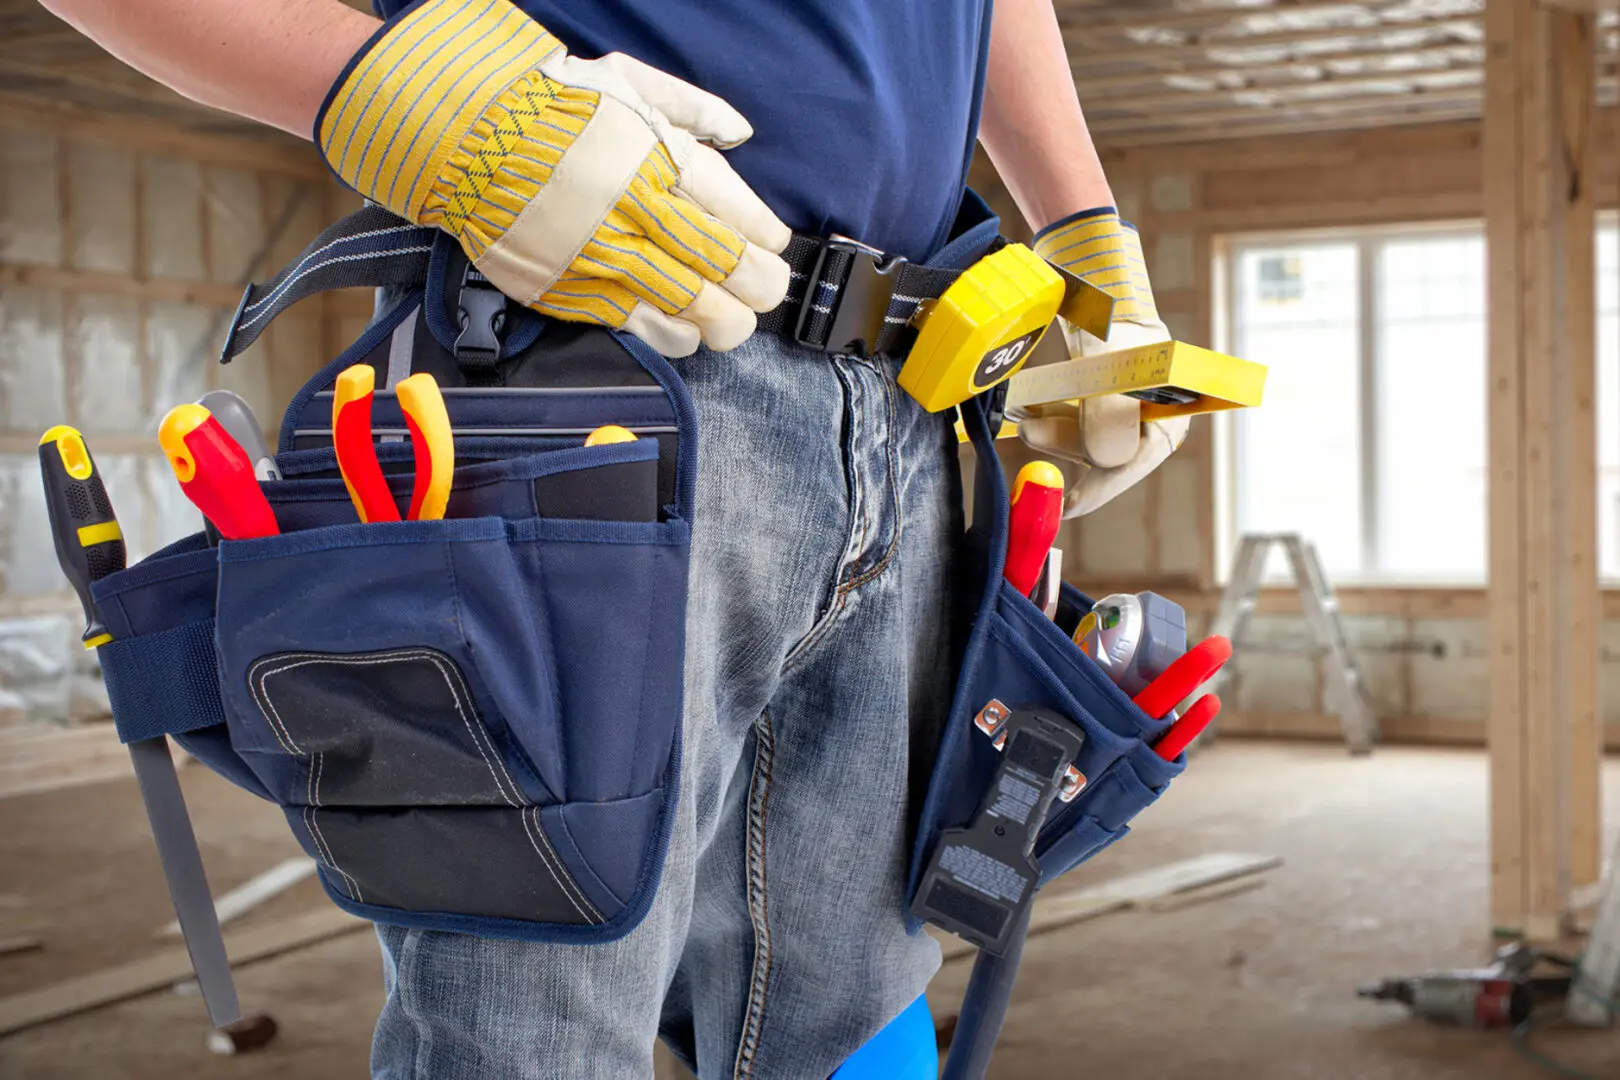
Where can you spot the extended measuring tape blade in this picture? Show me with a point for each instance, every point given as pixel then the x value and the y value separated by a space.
pixel 1141 368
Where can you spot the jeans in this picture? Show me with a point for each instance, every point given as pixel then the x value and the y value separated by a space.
pixel 818 675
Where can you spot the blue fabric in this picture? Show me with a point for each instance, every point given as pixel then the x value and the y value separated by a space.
pixel 1017 655
pixel 907 1049
pixel 185 697
pixel 864 111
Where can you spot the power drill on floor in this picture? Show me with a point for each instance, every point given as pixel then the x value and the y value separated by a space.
pixel 1499 996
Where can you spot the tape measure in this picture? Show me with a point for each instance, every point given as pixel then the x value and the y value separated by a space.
pixel 1170 378
pixel 984 327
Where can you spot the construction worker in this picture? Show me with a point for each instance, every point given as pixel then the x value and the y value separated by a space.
pixel 638 164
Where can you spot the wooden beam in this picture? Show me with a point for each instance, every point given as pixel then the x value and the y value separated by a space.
pixel 1539 102
pixel 1126 20
pixel 1395 109
pixel 1082 43
pixel 1092 87
pixel 1414 83
pixel 1577 421
pixel 273 152
pixel 1264 125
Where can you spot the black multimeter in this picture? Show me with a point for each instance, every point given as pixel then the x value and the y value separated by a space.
pixel 982 877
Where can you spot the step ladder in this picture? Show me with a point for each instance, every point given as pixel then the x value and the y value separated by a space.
pixel 1591 1001
pixel 1321 610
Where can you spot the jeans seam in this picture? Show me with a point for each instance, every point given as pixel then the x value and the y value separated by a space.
pixel 758 903
pixel 422 1053
pixel 890 452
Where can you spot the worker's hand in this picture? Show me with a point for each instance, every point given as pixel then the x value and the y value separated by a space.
pixel 590 190
pixel 1105 437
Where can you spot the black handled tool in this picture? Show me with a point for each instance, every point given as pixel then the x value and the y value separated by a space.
pixel 90 545
pixel 982 878
pixel 980 883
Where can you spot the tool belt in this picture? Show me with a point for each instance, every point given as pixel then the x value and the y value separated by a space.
pixel 473 724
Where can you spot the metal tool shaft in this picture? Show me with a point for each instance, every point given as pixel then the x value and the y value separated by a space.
pixel 188 884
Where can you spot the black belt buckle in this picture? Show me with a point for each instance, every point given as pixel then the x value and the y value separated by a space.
pixel 862 300
pixel 481 316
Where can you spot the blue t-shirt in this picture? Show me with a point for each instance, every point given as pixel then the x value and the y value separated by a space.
pixel 864 111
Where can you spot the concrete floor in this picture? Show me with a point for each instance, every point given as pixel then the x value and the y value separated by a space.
pixel 1385 874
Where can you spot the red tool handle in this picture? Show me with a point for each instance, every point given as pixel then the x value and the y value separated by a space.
pixel 216 473
pixel 1032 525
pixel 1189 671
pixel 1188 728
pixel 356 454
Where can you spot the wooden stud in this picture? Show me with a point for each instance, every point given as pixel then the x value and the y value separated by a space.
pixel 1540 82
pixel 1578 424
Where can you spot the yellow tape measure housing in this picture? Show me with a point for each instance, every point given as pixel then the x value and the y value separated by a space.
pixel 983 328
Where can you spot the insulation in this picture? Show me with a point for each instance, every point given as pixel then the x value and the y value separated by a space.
pixel 1180 493
pixel 101 207
pixel 33 386
pixel 170 515
pixel 27 557
pixel 172 218
pixel 1452 679
pixel 1113 538
pixel 181 341
pixel 1381 646
pixel 1172 192
pixel 1275 667
pixel 236 223
pixel 30 199
pixel 104 336
pixel 1172 261
pixel 249 375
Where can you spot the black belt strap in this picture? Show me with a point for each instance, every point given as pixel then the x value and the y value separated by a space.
pixel 846 297
pixel 842 297
pixel 370 247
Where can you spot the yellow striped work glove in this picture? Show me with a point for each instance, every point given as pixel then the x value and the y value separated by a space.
pixel 1104 437
pixel 590 190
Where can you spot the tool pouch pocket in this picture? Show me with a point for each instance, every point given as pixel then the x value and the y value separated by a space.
pixel 472 724
pixel 1016 655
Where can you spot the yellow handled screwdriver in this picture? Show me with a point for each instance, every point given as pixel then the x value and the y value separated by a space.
pixel 90 545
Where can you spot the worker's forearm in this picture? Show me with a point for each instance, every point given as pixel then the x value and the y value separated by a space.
pixel 1031 124
pixel 272 62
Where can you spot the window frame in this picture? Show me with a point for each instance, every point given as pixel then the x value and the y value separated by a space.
pixel 1368 240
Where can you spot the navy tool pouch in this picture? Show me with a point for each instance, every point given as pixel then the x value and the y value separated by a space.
pixel 472 724
pixel 1016 655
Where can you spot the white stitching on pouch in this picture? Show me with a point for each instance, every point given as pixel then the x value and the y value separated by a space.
pixel 305 659
pixel 523 816
pixel 568 881
pixel 258 677
pixel 330 859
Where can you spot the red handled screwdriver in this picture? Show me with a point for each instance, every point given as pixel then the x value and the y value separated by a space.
pixel 1032 524
pixel 216 473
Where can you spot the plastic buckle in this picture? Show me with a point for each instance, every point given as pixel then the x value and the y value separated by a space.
pixel 995 406
pixel 481 314
pixel 863 298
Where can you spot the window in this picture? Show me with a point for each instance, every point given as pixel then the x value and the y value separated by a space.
pixel 1373 441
